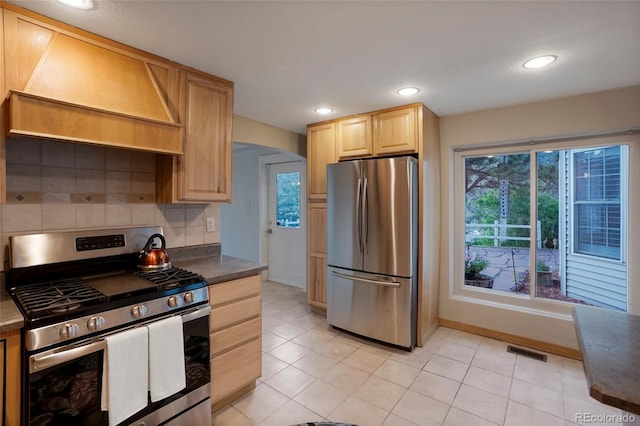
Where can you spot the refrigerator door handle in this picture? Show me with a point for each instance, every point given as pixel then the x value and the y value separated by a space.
pixel 365 216
pixel 359 215
pixel 366 280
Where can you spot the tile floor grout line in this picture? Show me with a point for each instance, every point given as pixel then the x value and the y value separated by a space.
pixel 279 298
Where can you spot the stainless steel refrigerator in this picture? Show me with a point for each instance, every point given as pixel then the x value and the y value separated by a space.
pixel 372 224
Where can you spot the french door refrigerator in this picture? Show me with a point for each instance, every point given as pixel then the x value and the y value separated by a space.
pixel 372 223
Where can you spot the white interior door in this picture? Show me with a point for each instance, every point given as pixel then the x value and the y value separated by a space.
pixel 286 224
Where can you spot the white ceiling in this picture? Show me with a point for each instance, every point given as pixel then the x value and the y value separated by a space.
pixel 286 58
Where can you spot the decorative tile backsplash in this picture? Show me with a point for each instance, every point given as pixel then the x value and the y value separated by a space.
pixel 55 186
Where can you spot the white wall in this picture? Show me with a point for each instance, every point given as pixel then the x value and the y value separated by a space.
pixel 590 114
pixel 240 234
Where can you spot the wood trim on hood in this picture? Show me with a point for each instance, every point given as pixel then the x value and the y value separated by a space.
pixel 40 117
pixel 69 88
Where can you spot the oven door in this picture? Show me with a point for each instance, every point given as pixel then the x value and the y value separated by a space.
pixel 64 384
pixel 63 388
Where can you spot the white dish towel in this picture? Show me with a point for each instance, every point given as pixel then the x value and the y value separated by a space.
pixel 125 374
pixel 166 358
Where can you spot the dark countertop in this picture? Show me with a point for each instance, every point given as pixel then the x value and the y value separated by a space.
pixel 217 269
pixel 610 346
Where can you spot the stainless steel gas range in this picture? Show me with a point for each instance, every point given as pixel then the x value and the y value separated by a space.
pixel 82 294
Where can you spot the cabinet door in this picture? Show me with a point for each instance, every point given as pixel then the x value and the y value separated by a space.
pixel 395 131
pixel 321 150
pixel 3 94
pixel 232 370
pixel 317 284
pixel 3 360
pixel 10 378
pixel 204 171
pixel 317 261
pixel 354 137
pixel 317 222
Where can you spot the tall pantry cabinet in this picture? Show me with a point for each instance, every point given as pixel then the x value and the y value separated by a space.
pixel 321 150
pixel 405 130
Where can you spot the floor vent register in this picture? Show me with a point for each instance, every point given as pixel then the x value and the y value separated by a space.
pixel 527 353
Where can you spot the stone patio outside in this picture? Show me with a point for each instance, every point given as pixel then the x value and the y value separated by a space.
pixel 502 260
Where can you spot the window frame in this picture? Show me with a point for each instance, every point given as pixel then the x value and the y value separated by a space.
pixel 517 301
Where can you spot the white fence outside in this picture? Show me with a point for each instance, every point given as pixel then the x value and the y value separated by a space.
pixel 499 232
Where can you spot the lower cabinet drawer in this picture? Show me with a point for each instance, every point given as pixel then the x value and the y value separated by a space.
pixel 235 369
pixel 234 313
pixel 223 293
pixel 235 335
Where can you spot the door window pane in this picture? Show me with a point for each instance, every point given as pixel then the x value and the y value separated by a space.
pixel 288 200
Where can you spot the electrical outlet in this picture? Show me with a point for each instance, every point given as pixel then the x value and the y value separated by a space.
pixel 211 225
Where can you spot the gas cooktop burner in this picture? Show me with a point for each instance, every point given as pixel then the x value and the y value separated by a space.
pixel 170 278
pixel 64 307
pixel 57 297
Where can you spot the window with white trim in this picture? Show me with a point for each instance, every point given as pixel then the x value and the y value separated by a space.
pixel 542 223
pixel 596 201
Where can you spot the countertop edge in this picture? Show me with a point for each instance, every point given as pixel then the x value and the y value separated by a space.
pixel 598 382
pixel 10 316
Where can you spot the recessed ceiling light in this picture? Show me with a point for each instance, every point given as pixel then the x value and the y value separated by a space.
pixel 408 91
pixel 78 4
pixel 540 61
pixel 323 110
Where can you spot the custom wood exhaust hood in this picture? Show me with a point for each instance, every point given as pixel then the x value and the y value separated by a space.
pixel 70 88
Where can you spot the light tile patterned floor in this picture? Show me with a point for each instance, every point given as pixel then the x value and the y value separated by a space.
pixel 313 373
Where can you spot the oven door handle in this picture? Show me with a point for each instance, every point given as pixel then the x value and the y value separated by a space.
pixel 43 362
pixel 199 313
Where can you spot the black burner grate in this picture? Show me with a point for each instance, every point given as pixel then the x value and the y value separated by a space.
pixel 57 297
pixel 171 278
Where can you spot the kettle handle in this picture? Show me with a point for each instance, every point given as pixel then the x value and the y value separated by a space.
pixel 147 246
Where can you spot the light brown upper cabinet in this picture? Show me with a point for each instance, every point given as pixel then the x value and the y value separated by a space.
pixel 203 173
pixel 321 150
pixel 70 85
pixel 388 132
pixel 395 131
pixel 354 137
